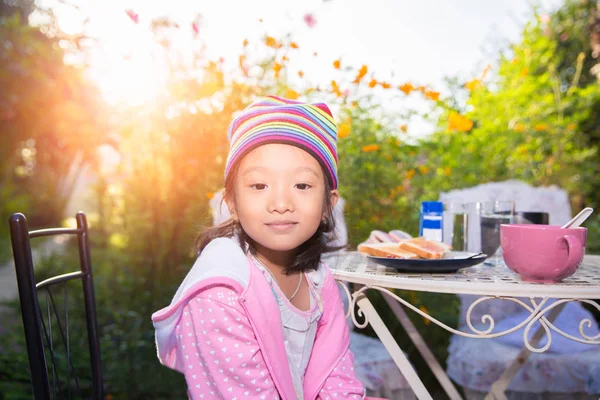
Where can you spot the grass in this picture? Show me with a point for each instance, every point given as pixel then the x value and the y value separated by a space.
pixel 5 247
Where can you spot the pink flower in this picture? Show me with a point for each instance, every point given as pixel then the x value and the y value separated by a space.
pixel 133 15
pixel 310 20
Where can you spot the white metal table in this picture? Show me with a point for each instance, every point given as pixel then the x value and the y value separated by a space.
pixel 490 282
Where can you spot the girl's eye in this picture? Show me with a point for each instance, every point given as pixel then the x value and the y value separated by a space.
pixel 258 186
pixel 303 186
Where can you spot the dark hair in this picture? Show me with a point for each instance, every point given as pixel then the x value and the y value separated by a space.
pixel 309 252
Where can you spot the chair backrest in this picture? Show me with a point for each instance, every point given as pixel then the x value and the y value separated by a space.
pixel 39 329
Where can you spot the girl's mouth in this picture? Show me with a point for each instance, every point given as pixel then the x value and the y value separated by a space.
pixel 282 225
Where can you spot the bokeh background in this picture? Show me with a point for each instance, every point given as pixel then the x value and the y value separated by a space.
pixel 120 109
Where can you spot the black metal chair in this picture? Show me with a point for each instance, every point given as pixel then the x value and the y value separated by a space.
pixel 39 329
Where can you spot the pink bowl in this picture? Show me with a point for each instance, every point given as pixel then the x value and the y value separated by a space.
pixel 542 253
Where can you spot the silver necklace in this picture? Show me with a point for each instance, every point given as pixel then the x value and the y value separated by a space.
pixel 275 279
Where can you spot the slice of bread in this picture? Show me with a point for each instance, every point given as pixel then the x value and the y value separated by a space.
pixel 425 248
pixel 389 250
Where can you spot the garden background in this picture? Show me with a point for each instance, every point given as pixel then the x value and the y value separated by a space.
pixel 531 114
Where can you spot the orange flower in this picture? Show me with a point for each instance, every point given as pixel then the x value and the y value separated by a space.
pixel 457 122
pixel 344 129
pixel 424 169
pixel 447 171
pixel 410 173
pixel 210 195
pixel 519 127
pixel 294 45
pixel 431 95
pixel 284 58
pixel 335 88
pixel 292 94
pixel 421 88
pixel 572 127
pixel 361 74
pixel 373 83
pixel 487 69
pixel 245 42
pixel 385 85
pixel 271 42
pixel 276 69
pixel 540 127
pixel 403 128
pixel 300 74
pixel 337 64
pixel 242 64
pixel 370 148
pixel 406 88
pixel 412 296
pixel 425 320
pixel 524 71
pixel 472 84
pixel 354 104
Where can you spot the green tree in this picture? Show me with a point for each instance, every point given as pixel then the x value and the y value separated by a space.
pixel 50 117
pixel 575 28
pixel 523 122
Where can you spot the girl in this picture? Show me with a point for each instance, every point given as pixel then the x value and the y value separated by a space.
pixel 259 316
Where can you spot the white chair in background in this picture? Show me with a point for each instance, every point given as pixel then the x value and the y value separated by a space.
pixel 568 370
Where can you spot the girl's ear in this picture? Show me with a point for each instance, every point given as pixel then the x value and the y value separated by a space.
pixel 232 210
pixel 334 197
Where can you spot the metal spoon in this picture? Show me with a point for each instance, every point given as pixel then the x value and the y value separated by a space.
pixel 476 255
pixel 579 218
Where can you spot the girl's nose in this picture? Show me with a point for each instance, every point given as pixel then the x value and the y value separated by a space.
pixel 281 200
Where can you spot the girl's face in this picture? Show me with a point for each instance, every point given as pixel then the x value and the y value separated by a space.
pixel 279 197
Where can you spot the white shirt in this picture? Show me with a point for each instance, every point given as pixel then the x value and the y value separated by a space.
pixel 299 327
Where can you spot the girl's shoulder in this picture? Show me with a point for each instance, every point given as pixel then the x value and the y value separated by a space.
pixel 221 261
pixel 222 257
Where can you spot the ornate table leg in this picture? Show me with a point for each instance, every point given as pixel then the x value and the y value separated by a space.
pixel 367 309
pixel 498 387
pixel 426 353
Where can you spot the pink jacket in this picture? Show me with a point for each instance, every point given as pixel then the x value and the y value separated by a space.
pixel 228 341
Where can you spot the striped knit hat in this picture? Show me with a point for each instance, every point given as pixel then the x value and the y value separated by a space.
pixel 278 120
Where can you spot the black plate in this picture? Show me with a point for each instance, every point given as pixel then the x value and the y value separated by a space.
pixel 452 262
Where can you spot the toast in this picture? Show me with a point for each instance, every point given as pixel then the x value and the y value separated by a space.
pixel 425 248
pixel 388 250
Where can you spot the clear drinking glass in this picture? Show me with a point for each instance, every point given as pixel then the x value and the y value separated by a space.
pixel 461 226
pixel 492 215
pixel 473 227
pixel 454 226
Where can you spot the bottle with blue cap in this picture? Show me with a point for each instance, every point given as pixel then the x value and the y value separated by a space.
pixel 430 224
